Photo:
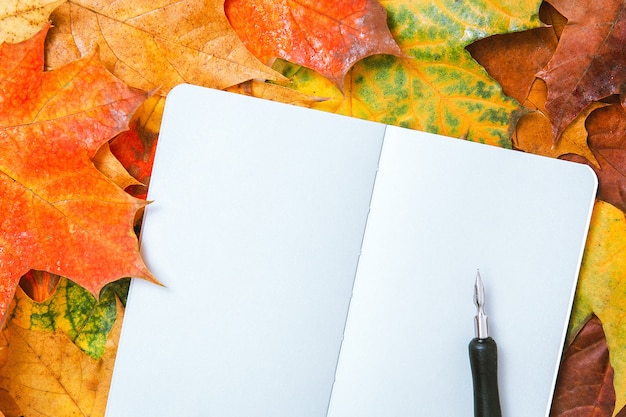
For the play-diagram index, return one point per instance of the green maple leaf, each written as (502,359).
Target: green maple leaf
(439,87)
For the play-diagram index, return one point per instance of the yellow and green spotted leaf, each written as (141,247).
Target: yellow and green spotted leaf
(74,311)
(437,87)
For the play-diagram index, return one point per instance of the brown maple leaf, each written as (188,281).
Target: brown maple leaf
(514,58)
(589,63)
(607,141)
(59,213)
(328,36)
(585,381)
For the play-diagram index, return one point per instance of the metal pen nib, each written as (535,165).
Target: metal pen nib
(481,324)
(483,353)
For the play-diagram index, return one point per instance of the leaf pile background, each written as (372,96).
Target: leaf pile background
(542,77)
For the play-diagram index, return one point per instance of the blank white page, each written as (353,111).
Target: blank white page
(441,209)
(255,231)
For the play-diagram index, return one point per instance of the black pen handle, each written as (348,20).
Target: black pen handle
(483,355)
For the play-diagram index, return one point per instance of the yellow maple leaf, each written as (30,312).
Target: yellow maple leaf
(47,375)
(155,44)
(22,19)
(602,285)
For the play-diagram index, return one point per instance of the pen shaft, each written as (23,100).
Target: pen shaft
(484,363)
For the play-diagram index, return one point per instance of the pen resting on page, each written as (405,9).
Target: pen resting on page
(483,354)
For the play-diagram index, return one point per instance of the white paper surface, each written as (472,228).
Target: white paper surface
(441,209)
(256,231)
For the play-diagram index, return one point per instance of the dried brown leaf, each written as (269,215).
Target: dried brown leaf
(589,63)
(585,381)
(533,132)
(607,141)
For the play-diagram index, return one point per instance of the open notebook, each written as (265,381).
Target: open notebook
(323,266)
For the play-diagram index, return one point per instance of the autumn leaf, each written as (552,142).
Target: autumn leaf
(513,59)
(533,134)
(328,36)
(439,87)
(589,63)
(155,45)
(585,380)
(47,375)
(607,140)
(74,311)
(39,285)
(135,150)
(22,19)
(602,285)
(106,162)
(147,118)
(60,214)
(8,405)
(274,92)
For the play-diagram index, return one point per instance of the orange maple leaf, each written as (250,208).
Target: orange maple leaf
(59,213)
(328,36)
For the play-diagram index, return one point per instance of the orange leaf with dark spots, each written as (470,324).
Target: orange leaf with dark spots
(59,213)
(328,36)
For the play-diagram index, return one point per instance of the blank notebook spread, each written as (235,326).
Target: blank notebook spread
(317,265)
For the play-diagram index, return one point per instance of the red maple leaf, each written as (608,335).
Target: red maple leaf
(135,149)
(328,36)
(59,213)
